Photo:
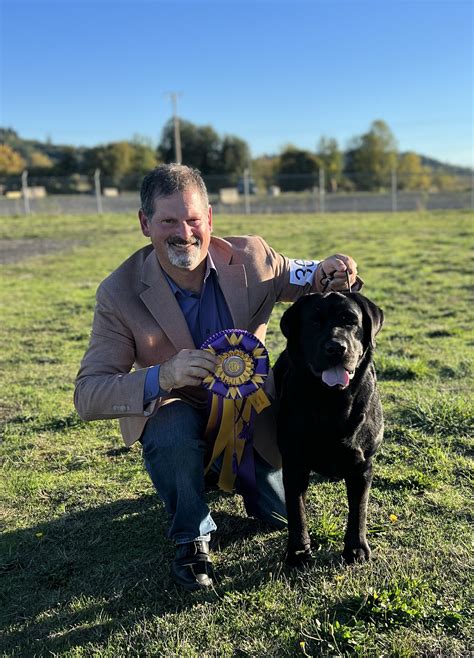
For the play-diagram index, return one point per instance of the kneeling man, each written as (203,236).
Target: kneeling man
(143,364)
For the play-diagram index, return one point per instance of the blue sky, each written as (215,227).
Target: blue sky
(272,72)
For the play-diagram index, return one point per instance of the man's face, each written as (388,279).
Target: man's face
(180,229)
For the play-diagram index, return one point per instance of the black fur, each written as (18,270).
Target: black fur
(333,430)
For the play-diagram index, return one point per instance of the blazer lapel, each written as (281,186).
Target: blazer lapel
(232,281)
(162,304)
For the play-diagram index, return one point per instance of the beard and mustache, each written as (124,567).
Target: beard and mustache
(188,259)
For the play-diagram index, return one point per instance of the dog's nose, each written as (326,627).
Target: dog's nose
(334,348)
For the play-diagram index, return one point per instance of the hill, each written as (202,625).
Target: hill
(437,167)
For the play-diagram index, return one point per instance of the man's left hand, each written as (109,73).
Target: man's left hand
(334,273)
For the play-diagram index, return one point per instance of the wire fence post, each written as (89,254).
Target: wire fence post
(394,190)
(247,191)
(472,190)
(322,185)
(98,195)
(24,189)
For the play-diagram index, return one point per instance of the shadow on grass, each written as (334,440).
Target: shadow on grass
(411,481)
(90,573)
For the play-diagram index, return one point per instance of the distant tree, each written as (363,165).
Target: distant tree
(298,170)
(39,162)
(209,146)
(411,175)
(11,162)
(8,136)
(200,146)
(114,161)
(235,155)
(265,170)
(332,160)
(143,159)
(444,182)
(68,162)
(372,157)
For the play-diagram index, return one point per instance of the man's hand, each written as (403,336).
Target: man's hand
(187,368)
(332,273)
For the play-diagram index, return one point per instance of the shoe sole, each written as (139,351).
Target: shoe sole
(192,587)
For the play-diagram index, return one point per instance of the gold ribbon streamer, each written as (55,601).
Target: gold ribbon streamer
(225,438)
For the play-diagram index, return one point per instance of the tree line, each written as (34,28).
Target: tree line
(369,162)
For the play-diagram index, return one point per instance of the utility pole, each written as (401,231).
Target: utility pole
(173,95)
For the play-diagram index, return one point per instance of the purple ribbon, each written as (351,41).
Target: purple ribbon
(246,483)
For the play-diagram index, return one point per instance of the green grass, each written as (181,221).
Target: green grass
(84,564)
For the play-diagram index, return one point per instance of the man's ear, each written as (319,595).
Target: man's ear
(144,223)
(372,316)
(209,217)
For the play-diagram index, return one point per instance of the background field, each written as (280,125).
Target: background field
(84,562)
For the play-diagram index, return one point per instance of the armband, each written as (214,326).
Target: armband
(302,271)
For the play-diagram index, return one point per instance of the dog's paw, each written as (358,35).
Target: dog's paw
(352,554)
(299,559)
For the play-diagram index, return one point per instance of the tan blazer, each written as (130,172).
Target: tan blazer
(138,323)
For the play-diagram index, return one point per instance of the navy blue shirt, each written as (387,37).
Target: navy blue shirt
(205,313)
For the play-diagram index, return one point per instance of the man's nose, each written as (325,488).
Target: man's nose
(184,231)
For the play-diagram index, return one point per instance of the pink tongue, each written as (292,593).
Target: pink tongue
(335,376)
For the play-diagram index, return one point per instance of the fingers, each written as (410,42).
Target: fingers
(341,263)
(187,368)
(338,272)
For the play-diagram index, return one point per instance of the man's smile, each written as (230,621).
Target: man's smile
(179,244)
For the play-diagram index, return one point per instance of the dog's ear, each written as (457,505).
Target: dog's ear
(372,316)
(290,318)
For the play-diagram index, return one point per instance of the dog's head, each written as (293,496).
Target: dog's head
(329,334)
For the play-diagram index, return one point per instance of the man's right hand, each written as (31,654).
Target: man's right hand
(187,368)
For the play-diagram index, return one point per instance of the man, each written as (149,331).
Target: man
(143,366)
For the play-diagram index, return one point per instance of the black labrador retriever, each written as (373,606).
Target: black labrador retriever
(329,412)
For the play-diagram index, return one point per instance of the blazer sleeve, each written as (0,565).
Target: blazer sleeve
(106,385)
(284,290)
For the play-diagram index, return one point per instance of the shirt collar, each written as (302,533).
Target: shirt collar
(210,267)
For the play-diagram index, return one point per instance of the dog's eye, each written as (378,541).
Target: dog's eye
(348,319)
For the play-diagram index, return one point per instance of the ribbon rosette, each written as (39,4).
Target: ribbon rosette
(243,363)
(237,395)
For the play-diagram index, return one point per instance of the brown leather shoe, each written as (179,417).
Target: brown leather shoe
(192,566)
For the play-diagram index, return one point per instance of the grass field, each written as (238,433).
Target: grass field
(84,563)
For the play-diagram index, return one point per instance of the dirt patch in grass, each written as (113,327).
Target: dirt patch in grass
(15,251)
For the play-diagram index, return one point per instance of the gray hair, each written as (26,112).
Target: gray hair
(167,179)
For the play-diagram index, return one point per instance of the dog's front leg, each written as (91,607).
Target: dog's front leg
(358,484)
(296,482)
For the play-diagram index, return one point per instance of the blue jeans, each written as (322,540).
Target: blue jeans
(173,452)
